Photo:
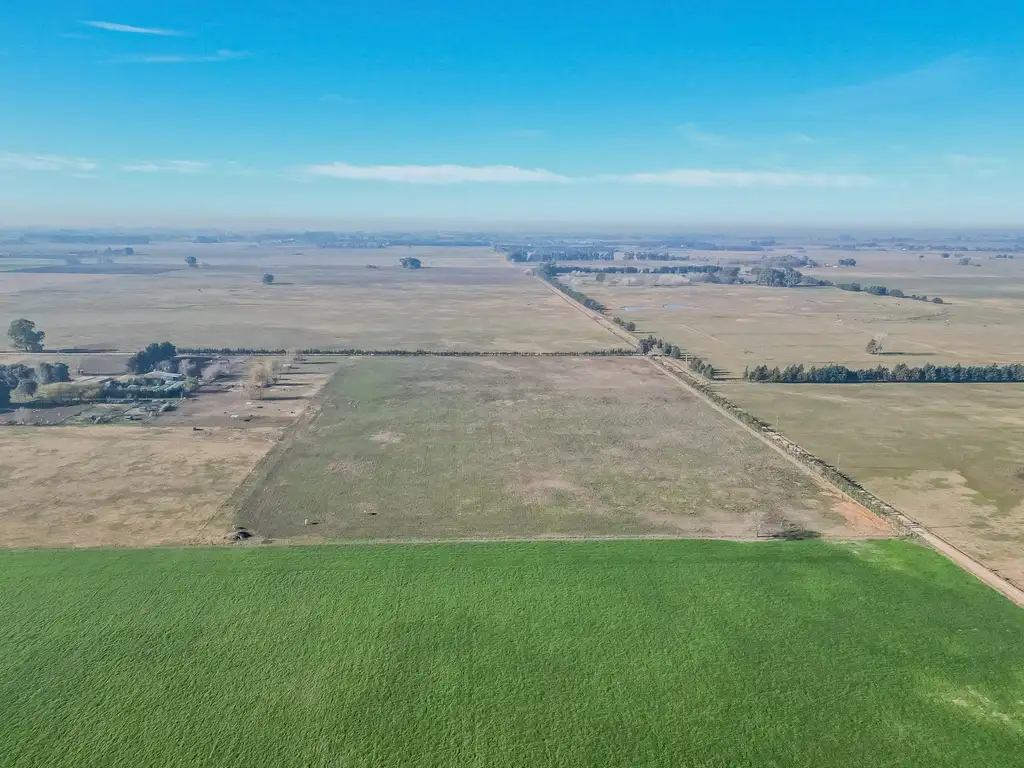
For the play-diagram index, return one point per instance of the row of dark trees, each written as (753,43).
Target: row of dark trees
(653,256)
(547,272)
(627,325)
(665,269)
(705,369)
(519,255)
(881,290)
(841,374)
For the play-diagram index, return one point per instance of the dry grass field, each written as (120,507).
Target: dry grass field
(468,448)
(950,455)
(121,485)
(461,299)
(746,325)
(164,481)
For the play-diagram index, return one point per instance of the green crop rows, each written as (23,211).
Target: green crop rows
(528,654)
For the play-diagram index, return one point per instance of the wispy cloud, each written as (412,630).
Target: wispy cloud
(801,138)
(110,26)
(933,80)
(184,58)
(693,133)
(682,177)
(13,161)
(166,166)
(435,174)
(693,177)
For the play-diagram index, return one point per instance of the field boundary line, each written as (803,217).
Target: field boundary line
(247,484)
(821,470)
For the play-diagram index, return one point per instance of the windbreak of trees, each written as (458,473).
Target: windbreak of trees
(881,290)
(665,269)
(629,326)
(519,254)
(847,262)
(653,256)
(928,373)
(705,369)
(548,271)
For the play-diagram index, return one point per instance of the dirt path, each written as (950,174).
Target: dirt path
(962,559)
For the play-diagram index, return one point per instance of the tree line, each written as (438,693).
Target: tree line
(665,269)
(881,290)
(928,373)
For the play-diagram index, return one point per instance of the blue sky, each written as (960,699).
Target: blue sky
(743,113)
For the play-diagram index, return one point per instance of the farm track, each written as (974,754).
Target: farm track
(899,519)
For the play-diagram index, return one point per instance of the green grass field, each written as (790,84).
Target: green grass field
(435,448)
(532,654)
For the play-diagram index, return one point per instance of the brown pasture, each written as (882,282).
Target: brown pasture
(949,455)
(461,299)
(746,325)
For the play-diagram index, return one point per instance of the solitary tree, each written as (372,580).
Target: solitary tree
(192,261)
(875,346)
(267,278)
(24,336)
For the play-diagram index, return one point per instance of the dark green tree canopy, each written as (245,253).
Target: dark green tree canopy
(24,336)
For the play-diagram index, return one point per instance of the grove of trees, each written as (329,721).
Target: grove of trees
(410,262)
(267,278)
(146,360)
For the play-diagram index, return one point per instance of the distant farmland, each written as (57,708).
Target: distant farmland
(514,654)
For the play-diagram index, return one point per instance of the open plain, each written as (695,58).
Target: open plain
(950,456)
(433,448)
(461,299)
(424,628)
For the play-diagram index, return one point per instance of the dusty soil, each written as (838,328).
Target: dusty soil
(121,485)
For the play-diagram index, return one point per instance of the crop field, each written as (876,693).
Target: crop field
(434,448)
(461,299)
(745,325)
(647,653)
(948,455)
(121,485)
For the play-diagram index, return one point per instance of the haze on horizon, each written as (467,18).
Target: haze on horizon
(580,117)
